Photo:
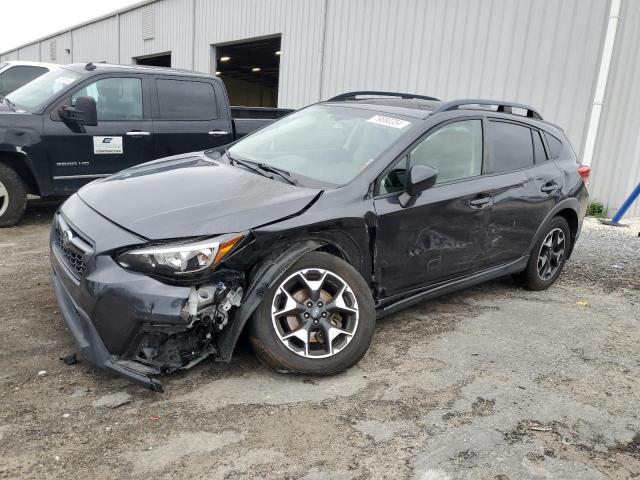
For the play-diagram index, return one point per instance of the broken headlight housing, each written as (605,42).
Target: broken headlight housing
(180,258)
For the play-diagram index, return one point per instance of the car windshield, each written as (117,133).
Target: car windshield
(327,143)
(37,92)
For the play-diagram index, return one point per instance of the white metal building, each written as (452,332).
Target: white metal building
(576,61)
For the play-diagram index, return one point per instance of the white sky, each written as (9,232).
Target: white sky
(25,20)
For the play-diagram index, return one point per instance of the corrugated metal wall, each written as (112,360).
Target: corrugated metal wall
(171,30)
(616,159)
(96,42)
(61,43)
(299,22)
(544,52)
(29,52)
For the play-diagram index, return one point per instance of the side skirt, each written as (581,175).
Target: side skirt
(389,305)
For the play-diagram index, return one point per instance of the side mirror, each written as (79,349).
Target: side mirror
(419,179)
(83,114)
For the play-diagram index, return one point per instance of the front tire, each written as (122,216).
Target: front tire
(13,197)
(547,257)
(317,318)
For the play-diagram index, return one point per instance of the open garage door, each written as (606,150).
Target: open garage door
(250,71)
(160,60)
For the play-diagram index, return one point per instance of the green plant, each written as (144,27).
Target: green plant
(596,209)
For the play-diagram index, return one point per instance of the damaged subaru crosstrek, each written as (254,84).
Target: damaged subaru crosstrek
(306,231)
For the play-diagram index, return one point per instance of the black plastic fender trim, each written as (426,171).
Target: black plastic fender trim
(269,270)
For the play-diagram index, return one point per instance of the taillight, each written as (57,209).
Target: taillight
(584,172)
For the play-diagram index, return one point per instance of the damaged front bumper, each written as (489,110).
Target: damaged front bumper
(128,322)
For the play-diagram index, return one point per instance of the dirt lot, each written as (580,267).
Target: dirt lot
(492,382)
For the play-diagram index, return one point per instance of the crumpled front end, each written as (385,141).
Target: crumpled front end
(129,322)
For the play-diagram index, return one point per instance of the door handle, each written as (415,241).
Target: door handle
(480,202)
(137,133)
(218,132)
(549,187)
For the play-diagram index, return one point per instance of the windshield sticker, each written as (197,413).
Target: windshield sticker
(107,145)
(388,121)
(65,80)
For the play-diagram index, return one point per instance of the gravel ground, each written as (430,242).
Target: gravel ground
(492,382)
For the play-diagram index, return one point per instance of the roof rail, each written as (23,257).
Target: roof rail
(504,107)
(353,95)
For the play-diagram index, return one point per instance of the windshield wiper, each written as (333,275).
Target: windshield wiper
(249,165)
(281,173)
(9,103)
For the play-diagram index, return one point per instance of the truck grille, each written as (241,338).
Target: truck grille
(73,247)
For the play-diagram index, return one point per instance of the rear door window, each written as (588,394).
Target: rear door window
(15,77)
(186,100)
(511,146)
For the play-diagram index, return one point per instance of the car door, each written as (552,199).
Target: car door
(525,188)
(188,116)
(122,138)
(443,234)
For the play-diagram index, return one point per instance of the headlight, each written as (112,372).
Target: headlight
(184,258)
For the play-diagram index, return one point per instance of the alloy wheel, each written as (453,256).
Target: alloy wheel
(315,313)
(551,254)
(4,199)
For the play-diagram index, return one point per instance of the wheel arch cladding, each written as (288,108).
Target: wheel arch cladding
(567,209)
(19,163)
(262,277)
(572,219)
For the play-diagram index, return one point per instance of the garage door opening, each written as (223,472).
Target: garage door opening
(161,60)
(250,71)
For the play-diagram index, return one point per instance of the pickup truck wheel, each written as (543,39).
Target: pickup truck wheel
(317,318)
(13,197)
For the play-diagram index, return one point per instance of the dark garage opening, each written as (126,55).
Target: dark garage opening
(250,71)
(162,60)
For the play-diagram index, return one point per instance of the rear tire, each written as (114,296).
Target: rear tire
(547,257)
(324,298)
(13,197)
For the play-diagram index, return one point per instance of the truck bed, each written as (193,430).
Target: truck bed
(249,119)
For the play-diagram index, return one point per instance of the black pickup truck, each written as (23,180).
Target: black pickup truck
(87,121)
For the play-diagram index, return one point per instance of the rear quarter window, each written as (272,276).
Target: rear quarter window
(555,145)
(186,100)
(511,146)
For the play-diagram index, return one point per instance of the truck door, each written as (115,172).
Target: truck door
(189,114)
(122,138)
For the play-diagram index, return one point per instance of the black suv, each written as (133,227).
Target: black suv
(309,229)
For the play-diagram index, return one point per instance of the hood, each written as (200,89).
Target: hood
(192,195)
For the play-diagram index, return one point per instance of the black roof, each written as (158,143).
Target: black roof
(110,68)
(407,107)
(419,107)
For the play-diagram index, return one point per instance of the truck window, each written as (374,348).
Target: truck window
(116,98)
(15,77)
(186,100)
(511,146)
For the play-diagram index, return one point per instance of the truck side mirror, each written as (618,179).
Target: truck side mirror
(419,179)
(83,114)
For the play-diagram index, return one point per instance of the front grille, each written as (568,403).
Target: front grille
(73,247)
(74,261)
